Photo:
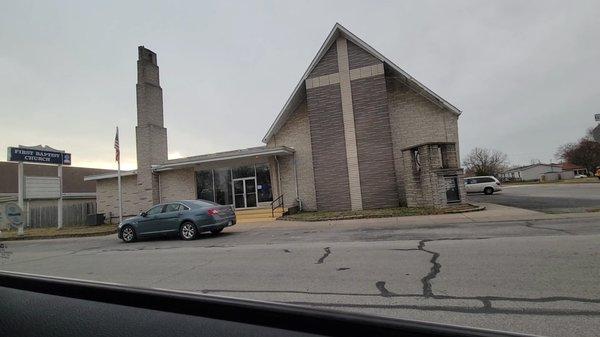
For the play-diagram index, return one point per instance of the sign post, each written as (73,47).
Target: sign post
(60,198)
(20,182)
(42,155)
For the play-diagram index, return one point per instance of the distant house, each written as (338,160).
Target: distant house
(544,172)
(571,170)
(531,172)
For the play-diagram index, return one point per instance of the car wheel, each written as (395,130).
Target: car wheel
(128,234)
(187,231)
(216,231)
(488,190)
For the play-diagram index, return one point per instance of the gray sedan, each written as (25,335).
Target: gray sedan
(184,217)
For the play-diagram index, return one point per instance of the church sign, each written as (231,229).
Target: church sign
(23,154)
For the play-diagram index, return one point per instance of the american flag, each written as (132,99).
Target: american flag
(117,151)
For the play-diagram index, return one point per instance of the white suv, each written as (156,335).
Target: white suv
(485,184)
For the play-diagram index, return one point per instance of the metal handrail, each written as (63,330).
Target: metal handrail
(274,206)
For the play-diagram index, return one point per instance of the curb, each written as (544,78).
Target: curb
(359,217)
(59,236)
(476,209)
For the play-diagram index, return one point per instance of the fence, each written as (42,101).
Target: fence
(73,215)
(44,213)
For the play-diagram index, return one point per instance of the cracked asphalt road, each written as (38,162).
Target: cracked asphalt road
(537,277)
(548,198)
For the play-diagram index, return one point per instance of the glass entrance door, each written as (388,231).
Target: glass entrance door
(244,192)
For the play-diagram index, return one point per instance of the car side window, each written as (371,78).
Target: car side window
(155,210)
(474,181)
(487,180)
(171,208)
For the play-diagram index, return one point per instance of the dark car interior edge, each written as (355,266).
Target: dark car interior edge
(46,306)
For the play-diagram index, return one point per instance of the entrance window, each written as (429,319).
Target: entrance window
(223,192)
(220,186)
(204,185)
(244,190)
(263,183)
(243,171)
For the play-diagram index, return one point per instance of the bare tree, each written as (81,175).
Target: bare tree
(585,153)
(486,162)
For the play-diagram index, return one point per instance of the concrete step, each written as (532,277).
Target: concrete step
(257,215)
(262,210)
(243,221)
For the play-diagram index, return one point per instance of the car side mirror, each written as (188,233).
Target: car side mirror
(143,214)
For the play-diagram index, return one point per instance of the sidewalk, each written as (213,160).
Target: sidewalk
(492,213)
(55,233)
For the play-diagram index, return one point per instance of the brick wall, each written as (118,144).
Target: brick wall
(324,107)
(427,186)
(177,185)
(359,57)
(151,149)
(415,120)
(107,192)
(374,143)
(151,136)
(328,64)
(295,134)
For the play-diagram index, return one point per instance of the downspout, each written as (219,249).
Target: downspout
(278,177)
(159,194)
(296,180)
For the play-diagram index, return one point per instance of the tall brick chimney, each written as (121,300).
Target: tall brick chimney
(150,134)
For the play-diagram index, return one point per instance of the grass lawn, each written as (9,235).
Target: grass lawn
(65,232)
(375,213)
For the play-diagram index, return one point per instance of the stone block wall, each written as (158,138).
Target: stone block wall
(107,196)
(328,64)
(328,147)
(425,184)
(151,136)
(295,134)
(177,185)
(374,143)
(360,118)
(151,149)
(415,120)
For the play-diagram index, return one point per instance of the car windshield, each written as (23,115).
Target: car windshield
(435,161)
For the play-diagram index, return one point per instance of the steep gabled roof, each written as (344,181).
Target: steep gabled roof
(299,92)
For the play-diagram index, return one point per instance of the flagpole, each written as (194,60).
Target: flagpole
(119,182)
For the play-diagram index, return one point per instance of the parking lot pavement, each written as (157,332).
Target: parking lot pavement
(548,198)
(534,276)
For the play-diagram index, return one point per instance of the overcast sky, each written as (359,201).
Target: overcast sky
(526,74)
